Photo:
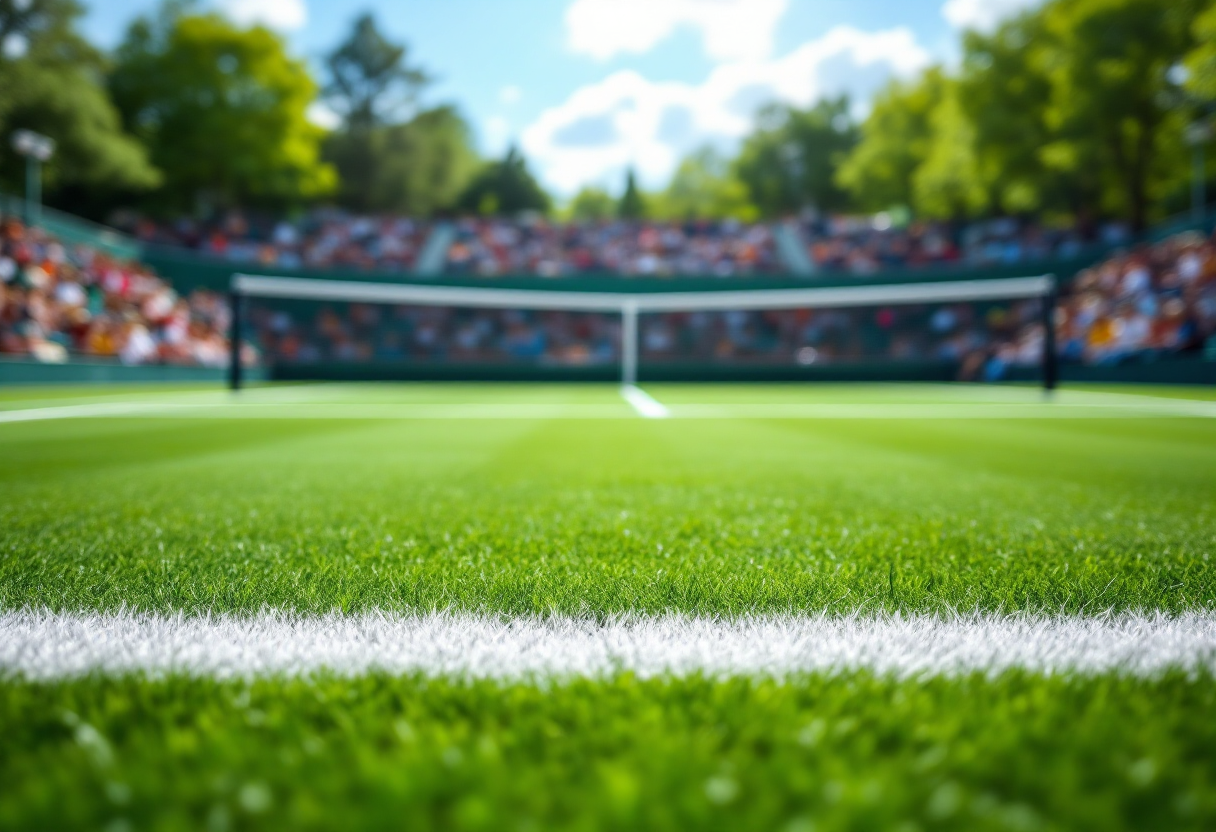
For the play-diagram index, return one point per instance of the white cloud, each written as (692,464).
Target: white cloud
(321,115)
(982,15)
(14,46)
(730,29)
(285,15)
(627,119)
(510,94)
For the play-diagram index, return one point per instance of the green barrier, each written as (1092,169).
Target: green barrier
(1168,369)
(20,371)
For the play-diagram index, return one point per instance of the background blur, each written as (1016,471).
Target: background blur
(762,142)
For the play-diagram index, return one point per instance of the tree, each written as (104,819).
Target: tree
(896,138)
(1200,62)
(631,205)
(790,161)
(222,109)
(49,83)
(370,80)
(704,187)
(1004,91)
(948,184)
(388,157)
(1110,63)
(504,188)
(420,167)
(592,204)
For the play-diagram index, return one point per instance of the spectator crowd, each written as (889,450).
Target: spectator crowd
(866,245)
(535,246)
(1153,301)
(58,301)
(323,240)
(720,248)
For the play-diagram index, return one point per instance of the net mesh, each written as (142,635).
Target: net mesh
(970,340)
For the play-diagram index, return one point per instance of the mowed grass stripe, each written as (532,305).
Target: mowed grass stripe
(599,518)
(42,645)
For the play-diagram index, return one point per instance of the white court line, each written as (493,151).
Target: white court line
(79,411)
(42,645)
(646,406)
(225,406)
(321,410)
(962,411)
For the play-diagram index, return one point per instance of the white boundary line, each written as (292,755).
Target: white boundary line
(646,406)
(43,645)
(642,404)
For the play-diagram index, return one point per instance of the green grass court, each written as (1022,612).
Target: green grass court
(543,501)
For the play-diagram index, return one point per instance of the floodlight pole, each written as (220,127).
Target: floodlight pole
(36,148)
(1051,359)
(33,191)
(1197,134)
(629,342)
(234,340)
(1198,186)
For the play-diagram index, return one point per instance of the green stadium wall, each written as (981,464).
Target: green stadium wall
(21,372)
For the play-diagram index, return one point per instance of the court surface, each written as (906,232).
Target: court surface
(667,607)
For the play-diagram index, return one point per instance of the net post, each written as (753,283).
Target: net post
(1051,359)
(234,337)
(629,343)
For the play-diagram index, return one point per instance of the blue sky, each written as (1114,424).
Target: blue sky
(590,87)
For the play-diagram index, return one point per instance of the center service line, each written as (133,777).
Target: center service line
(646,406)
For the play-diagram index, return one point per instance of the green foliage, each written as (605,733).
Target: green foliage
(1069,109)
(419,168)
(370,79)
(222,111)
(631,206)
(1109,66)
(790,161)
(504,188)
(591,204)
(1004,90)
(825,752)
(949,184)
(388,162)
(704,187)
(896,139)
(599,517)
(52,87)
(1200,62)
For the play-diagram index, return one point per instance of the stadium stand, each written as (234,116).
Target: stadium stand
(868,245)
(858,246)
(58,301)
(1153,301)
(723,249)
(323,240)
